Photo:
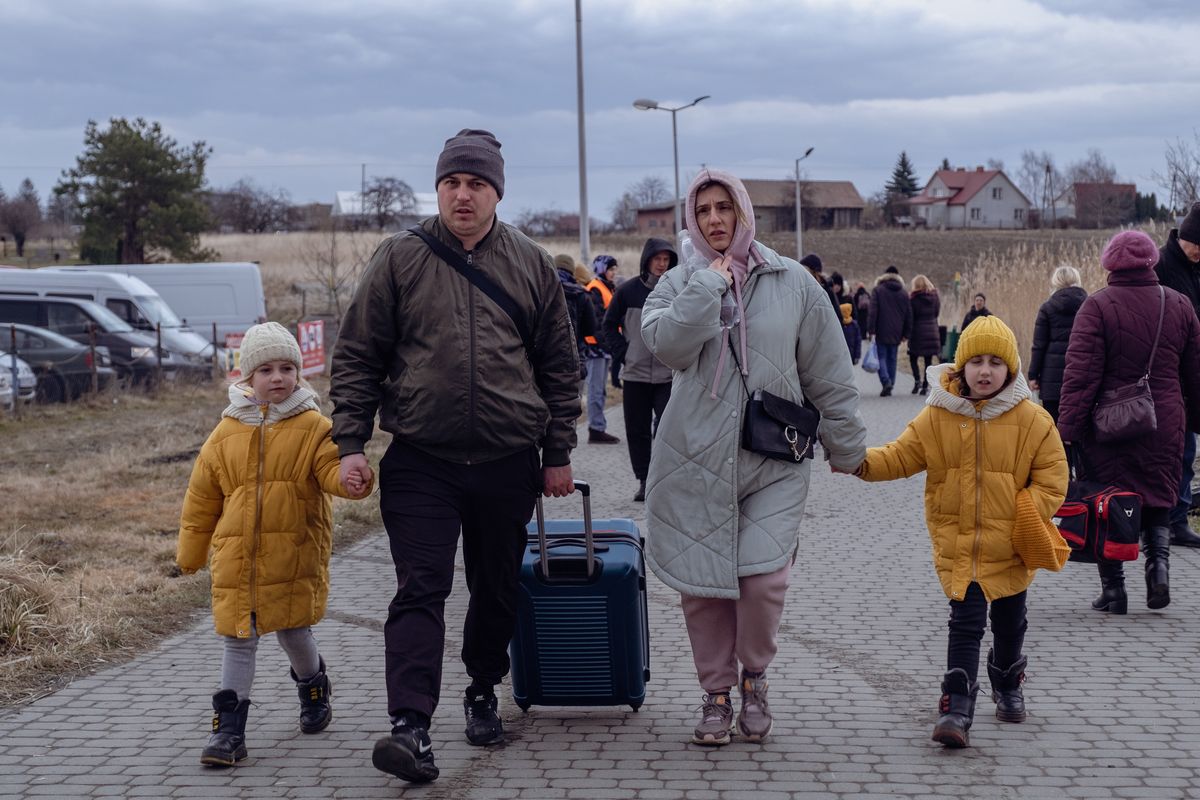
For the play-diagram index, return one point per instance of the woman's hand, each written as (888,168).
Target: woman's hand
(1035,385)
(724,267)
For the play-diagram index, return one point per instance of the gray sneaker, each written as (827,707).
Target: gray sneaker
(754,720)
(716,721)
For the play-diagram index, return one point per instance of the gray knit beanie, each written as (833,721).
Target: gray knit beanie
(269,341)
(476,152)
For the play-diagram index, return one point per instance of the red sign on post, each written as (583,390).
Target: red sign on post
(312,346)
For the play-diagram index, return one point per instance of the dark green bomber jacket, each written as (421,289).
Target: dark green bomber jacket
(444,365)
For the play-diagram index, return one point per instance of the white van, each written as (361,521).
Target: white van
(127,297)
(227,293)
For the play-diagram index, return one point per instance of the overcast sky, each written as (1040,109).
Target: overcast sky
(297,94)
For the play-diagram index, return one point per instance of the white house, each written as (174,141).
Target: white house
(961,198)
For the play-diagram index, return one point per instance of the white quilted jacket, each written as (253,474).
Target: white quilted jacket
(717,512)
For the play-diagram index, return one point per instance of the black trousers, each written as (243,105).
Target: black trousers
(919,377)
(1051,407)
(968,618)
(425,501)
(640,401)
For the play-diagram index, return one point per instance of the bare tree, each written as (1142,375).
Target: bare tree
(248,208)
(649,191)
(1182,176)
(21,215)
(1094,168)
(333,262)
(386,200)
(995,163)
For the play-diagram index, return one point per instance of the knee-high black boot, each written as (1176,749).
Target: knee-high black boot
(1156,546)
(956,708)
(1112,594)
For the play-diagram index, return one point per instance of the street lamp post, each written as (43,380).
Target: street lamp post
(650,105)
(799,216)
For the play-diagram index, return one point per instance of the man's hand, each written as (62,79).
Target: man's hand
(1035,385)
(557,481)
(354,473)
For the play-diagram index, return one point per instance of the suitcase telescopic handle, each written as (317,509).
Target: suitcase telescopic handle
(589,541)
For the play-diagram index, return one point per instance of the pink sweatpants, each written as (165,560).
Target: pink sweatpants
(724,632)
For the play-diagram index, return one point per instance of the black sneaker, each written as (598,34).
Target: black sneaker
(407,753)
(483,723)
(640,495)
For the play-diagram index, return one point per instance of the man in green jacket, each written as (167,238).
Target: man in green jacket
(481,403)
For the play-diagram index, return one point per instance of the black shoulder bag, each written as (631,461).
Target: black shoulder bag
(775,427)
(481,282)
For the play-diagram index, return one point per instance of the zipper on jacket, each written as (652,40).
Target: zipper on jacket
(471,362)
(258,493)
(978,496)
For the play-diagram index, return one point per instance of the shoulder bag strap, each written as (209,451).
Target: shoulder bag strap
(738,364)
(1162,310)
(481,282)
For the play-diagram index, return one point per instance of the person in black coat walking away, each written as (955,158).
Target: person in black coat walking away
(926,340)
(1179,268)
(852,332)
(862,306)
(579,306)
(890,322)
(646,380)
(979,309)
(1052,333)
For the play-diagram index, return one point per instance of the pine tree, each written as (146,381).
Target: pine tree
(904,179)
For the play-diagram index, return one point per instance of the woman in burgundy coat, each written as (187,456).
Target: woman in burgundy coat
(925,340)
(1110,347)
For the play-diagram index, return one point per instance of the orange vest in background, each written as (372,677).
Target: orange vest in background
(605,296)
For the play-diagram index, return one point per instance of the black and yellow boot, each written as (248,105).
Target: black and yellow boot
(227,743)
(315,708)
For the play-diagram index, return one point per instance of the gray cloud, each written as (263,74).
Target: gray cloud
(299,94)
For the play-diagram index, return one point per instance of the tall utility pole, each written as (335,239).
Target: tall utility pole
(362,197)
(584,226)
(800,216)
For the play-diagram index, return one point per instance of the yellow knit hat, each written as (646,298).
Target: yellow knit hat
(987,336)
(1037,541)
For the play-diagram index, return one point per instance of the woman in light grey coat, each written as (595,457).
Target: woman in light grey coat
(724,522)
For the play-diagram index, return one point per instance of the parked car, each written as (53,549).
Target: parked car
(133,353)
(227,294)
(63,366)
(26,380)
(124,295)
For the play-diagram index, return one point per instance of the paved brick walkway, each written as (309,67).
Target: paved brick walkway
(1113,708)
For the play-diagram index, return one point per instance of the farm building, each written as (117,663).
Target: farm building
(824,204)
(962,198)
(1096,205)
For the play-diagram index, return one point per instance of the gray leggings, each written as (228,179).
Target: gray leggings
(237,665)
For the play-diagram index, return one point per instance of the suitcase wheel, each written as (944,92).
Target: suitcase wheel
(524,706)
(635,706)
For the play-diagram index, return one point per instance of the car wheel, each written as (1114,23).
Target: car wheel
(51,388)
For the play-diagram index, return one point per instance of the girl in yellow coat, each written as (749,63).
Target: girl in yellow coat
(259,498)
(997,472)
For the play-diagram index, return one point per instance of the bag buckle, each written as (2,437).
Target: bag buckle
(792,436)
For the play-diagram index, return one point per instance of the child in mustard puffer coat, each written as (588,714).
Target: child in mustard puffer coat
(997,472)
(259,497)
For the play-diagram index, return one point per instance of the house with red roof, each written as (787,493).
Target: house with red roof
(962,198)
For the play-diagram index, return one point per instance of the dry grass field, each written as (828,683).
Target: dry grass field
(87,544)
(93,490)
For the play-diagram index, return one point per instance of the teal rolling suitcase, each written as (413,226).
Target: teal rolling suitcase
(582,635)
